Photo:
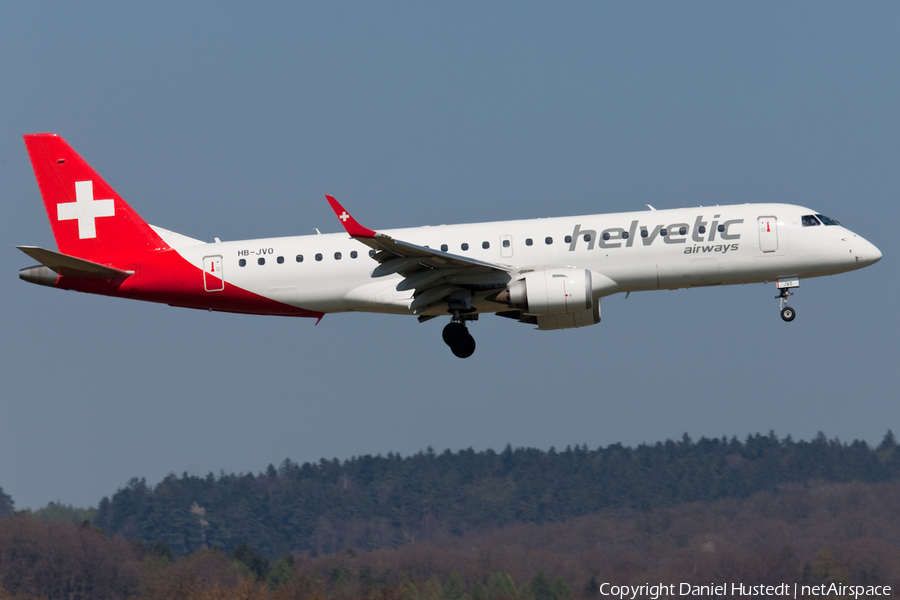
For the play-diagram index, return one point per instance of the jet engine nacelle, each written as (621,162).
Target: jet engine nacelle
(556,298)
(582,318)
(552,292)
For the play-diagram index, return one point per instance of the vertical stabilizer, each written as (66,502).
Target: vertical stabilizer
(89,219)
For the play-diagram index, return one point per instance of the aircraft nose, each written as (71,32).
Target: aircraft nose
(876,253)
(868,253)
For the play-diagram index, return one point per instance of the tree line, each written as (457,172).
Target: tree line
(372,502)
(7,507)
(812,533)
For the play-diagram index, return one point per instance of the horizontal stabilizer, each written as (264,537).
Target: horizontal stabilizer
(69,266)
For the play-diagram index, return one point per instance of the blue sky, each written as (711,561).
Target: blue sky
(234,120)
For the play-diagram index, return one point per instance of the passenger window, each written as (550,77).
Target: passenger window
(506,243)
(721,228)
(261,261)
(605,236)
(702,229)
(353,254)
(827,220)
(318,257)
(299,258)
(444,247)
(485,245)
(644,233)
(280,260)
(548,240)
(624,235)
(683,231)
(587,237)
(371,254)
(568,239)
(464,246)
(528,241)
(242,263)
(664,232)
(337,256)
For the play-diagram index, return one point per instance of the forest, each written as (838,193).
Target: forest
(373,502)
(521,523)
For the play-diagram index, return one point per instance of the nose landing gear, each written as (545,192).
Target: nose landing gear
(784,286)
(787,313)
(457,336)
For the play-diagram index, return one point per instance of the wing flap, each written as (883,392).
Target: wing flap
(396,265)
(424,279)
(432,295)
(421,267)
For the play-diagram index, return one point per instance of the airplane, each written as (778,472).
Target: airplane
(550,272)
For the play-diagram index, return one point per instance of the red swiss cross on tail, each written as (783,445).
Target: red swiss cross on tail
(350,224)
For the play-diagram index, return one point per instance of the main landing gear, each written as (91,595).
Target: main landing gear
(457,336)
(787,313)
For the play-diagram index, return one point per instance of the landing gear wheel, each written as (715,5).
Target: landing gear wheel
(787,313)
(461,342)
(454,332)
(465,347)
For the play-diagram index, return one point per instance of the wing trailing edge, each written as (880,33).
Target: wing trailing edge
(433,275)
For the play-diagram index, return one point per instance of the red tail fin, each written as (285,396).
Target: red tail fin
(89,219)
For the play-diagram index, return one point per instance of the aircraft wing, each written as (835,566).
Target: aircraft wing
(434,275)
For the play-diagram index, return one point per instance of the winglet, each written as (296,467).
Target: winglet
(349,223)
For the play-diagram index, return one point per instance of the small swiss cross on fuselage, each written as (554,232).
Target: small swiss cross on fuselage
(344,216)
(85,209)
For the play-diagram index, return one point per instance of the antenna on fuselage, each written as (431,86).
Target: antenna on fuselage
(316,229)
(649,206)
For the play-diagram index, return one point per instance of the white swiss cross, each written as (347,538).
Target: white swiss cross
(85,209)
(344,216)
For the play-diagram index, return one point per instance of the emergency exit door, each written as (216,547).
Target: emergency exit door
(768,234)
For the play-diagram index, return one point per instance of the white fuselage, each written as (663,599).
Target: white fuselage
(679,248)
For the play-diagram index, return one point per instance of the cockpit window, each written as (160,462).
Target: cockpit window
(809,220)
(827,220)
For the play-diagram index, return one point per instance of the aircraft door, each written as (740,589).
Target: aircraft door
(506,249)
(768,234)
(213,281)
